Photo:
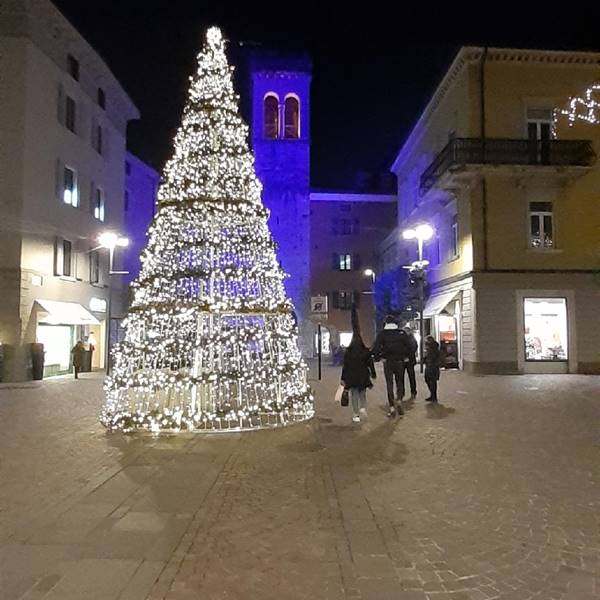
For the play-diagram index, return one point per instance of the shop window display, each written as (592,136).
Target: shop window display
(546,337)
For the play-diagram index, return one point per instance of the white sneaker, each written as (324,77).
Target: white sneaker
(363,413)
(356,419)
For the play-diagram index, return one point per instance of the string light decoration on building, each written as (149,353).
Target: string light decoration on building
(211,339)
(580,108)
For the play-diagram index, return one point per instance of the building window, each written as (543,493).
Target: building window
(539,133)
(70,194)
(291,118)
(70,114)
(546,331)
(344,262)
(73,67)
(344,226)
(342,299)
(271,117)
(541,230)
(99,205)
(101,99)
(97,138)
(454,237)
(94,266)
(67,257)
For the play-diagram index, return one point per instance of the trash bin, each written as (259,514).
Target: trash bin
(37,361)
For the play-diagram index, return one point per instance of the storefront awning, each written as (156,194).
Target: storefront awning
(65,313)
(436,304)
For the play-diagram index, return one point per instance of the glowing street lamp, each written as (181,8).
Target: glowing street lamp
(421,233)
(369,273)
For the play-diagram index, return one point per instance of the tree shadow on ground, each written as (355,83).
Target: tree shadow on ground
(363,446)
(435,410)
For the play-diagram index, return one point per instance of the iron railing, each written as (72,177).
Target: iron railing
(502,151)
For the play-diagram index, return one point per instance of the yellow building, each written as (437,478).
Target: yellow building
(512,188)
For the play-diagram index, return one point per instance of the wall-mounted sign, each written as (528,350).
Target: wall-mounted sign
(98,305)
(318,305)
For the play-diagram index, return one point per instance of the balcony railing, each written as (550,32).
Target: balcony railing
(501,151)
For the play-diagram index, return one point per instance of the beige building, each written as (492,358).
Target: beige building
(63,119)
(513,192)
(344,227)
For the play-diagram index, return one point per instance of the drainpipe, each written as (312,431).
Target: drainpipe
(483,138)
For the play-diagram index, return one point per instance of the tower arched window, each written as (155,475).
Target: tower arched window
(291,118)
(271,117)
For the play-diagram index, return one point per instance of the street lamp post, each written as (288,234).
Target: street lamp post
(370,273)
(421,233)
(110,240)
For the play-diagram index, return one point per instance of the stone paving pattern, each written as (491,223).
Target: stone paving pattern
(494,493)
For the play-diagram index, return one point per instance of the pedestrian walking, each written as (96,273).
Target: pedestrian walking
(392,345)
(413,346)
(78,352)
(433,359)
(357,372)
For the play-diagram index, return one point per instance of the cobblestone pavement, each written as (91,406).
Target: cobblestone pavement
(494,493)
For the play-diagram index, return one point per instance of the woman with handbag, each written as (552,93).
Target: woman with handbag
(357,372)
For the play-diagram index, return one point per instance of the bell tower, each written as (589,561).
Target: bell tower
(281,143)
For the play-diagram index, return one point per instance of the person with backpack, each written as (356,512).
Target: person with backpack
(357,372)
(392,344)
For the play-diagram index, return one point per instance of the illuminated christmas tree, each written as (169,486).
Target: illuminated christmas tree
(211,341)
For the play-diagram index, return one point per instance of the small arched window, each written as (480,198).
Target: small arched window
(271,117)
(291,116)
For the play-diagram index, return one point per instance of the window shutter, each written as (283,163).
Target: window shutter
(60,180)
(93,134)
(335,261)
(357,263)
(58,256)
(335,299)
(92,196)
(60,108)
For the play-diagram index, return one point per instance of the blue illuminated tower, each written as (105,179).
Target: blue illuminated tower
(281,143)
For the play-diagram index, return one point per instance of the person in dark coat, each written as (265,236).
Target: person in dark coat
(433,360)
(413,346)
(78,353)
(392,344)
(357,372)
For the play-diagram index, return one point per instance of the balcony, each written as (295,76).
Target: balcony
(461,152)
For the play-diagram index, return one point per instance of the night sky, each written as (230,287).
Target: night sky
(373,71)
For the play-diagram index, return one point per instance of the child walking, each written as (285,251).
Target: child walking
(357,372)
(432,367)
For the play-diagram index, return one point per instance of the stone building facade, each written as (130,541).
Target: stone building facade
(63,119)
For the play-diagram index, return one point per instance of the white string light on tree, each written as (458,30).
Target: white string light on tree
(211,342)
